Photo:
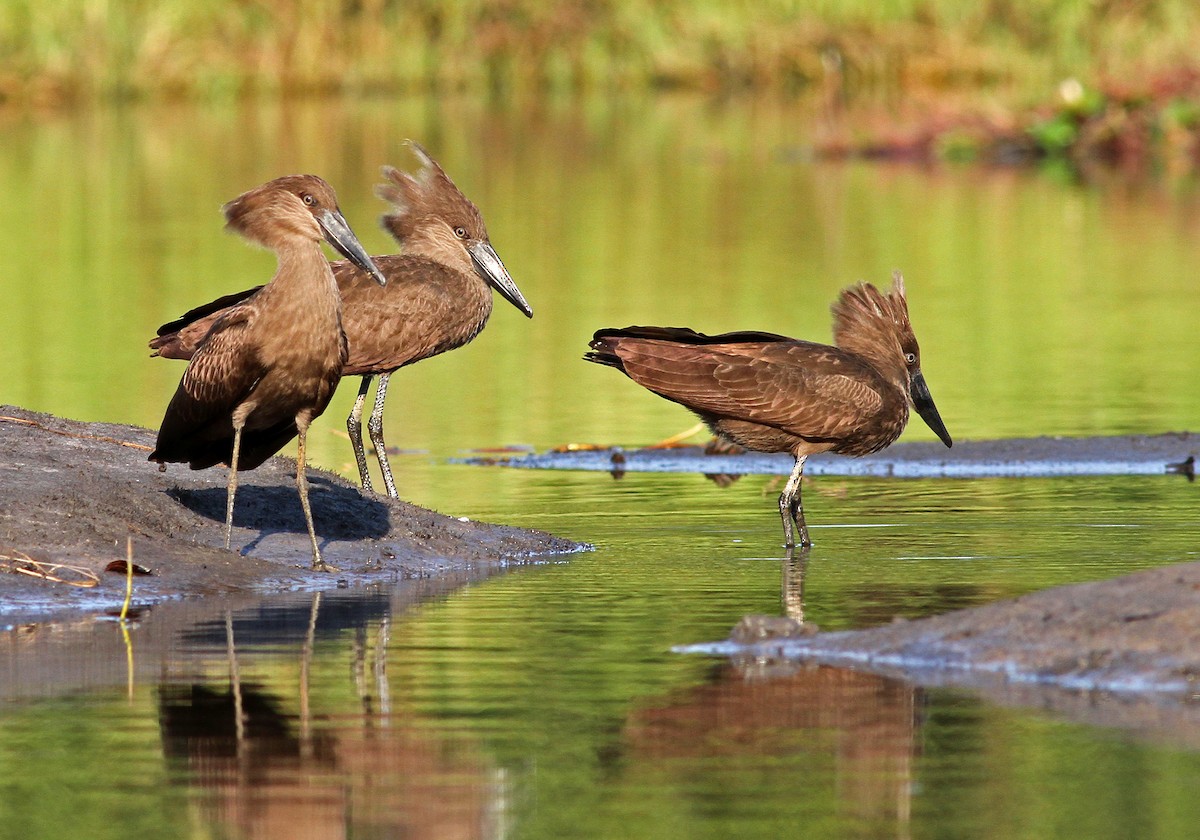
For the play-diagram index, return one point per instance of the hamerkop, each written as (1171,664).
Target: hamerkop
(269,365)
(771,393)
(438,295)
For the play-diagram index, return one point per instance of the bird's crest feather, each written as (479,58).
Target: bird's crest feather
(871,323)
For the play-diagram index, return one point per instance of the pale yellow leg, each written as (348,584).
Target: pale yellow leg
(231,490)
(302,486)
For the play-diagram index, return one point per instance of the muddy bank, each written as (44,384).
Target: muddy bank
(1015,457)
(73,492)
(1135,634)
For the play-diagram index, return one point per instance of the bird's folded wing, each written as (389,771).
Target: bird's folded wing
(219,377)
(809,390)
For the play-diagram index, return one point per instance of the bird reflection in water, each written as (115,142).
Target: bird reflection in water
(269,762)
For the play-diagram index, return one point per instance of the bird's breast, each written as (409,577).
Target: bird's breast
(383,338)
(877,434)
(303,361)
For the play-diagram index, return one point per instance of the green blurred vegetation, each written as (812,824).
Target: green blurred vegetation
(62,50)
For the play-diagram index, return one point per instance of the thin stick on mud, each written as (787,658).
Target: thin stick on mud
(22,421)
(19,563)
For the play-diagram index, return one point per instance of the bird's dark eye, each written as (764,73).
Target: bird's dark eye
(910,357)
(308,199)
(460,232)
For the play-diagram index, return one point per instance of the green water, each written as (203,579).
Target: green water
(546,703)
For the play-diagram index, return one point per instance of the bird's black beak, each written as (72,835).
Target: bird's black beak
(923,403)
(338,234)
(487,263)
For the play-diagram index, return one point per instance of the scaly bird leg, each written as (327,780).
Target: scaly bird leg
(354,427)
(231,488)
(302,486)
(375,428)
(790,509)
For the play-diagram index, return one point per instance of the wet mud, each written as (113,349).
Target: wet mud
(1136,636)
(73,493)
(1017,457)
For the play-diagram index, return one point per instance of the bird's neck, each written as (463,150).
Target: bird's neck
(303,273)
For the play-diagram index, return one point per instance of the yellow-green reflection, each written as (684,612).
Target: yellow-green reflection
(546,702)
(549,697)
(1042,307)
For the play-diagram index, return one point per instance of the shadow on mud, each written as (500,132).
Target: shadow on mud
(340,512)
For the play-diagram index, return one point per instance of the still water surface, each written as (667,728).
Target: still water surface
(545,702)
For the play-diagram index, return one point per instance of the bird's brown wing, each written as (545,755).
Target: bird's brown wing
(221,374)
(179,339)
(810,390)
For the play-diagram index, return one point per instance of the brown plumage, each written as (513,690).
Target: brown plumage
(269,365)
(771,393)
(438,296)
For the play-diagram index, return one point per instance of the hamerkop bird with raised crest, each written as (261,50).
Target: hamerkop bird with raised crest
(438,295)
(269,365)
(770,393)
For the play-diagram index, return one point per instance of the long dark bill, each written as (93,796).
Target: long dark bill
(923,403)
(338,234)
(487,263)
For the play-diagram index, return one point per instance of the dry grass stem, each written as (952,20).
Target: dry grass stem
(19,563)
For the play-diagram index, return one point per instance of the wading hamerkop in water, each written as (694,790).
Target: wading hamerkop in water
(269,365)
(438,296)
(771,393)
